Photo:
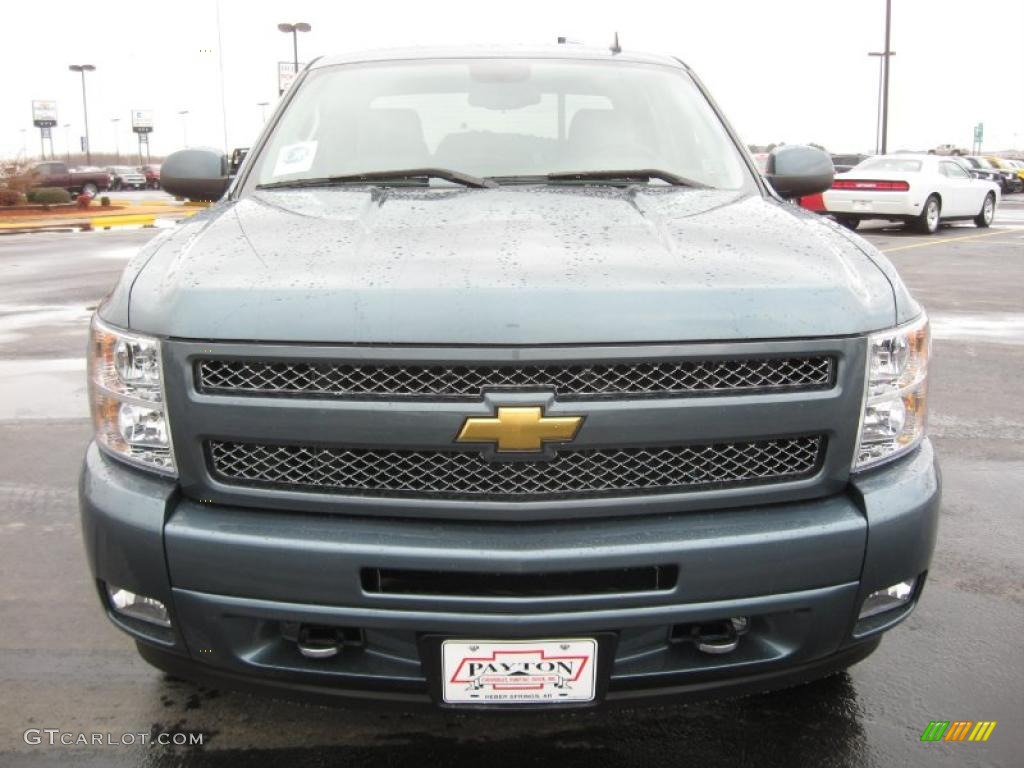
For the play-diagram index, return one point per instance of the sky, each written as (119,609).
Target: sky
(791,71)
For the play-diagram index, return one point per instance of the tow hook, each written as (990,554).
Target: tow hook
(716,637)
(318,641)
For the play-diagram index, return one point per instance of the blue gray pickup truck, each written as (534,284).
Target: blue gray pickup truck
(501,378)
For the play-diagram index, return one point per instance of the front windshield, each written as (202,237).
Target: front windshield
(500,118)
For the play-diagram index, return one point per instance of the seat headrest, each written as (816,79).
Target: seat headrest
(391,139)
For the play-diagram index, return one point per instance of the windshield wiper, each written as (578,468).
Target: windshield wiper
(380,177)
(640,175)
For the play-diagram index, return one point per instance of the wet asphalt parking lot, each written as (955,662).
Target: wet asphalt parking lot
(959,657)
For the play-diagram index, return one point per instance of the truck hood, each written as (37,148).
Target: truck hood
(517,265)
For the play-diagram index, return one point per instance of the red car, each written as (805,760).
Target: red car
(152,174)
(814,203)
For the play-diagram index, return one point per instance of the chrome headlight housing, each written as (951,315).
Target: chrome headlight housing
(895,400)
(126,396)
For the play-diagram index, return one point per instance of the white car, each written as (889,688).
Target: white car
(125,177)
(921,190)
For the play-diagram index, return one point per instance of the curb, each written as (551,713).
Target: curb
(100,222)
(105,222)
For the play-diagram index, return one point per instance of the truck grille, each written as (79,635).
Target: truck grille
(469,475)
(666,377)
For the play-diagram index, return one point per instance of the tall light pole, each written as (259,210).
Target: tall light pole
(294,30)
(882,58)
(117,143)
(83,68)
(67,144)
(263,105)
(24,141)
(184,127)
(887,58)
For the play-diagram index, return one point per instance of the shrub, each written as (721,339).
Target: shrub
(11,197)
(84,200)
(105,201)
(49,195)
(17,174)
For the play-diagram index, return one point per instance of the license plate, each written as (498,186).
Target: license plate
(518,671)
(862,205)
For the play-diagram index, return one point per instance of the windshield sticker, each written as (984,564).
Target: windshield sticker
(295,158)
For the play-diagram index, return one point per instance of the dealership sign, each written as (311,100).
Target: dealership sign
(142,120)
(286,75)
(44,113)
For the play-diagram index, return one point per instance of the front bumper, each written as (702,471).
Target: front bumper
(232,578)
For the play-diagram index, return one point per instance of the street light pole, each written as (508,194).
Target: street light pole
(294,30)
(887,58)
(263,106)
(117,143)
(878,114)
(83,68)
(184,127)
(67,144)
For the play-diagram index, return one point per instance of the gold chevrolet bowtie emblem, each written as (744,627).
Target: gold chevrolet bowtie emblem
(519,429)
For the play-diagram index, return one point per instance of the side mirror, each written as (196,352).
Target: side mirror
(795,170)
(198,174)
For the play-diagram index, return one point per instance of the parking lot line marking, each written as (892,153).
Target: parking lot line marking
(941,241)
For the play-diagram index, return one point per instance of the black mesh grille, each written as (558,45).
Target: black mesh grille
(468,474)
(338,379)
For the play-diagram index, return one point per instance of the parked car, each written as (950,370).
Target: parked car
(840,164)
(921,190)
(947,149)
(152,174)
(125,177)
(981,168)
(1012,182)
(1019,165)
(75,180)
(844,163)
(237,158)
(424,411)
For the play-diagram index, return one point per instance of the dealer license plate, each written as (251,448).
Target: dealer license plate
(863,205)
(518,671)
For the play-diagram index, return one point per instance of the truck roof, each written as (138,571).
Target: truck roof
(563,51)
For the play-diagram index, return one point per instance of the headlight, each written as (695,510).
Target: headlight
(895,407)
(127,398)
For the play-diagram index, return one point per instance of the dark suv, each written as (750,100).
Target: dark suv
(504,379)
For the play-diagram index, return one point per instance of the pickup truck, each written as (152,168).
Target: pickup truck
(57,174)
(947,149)
(504,379)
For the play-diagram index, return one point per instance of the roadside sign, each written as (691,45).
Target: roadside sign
(286,75)
(979,133)
(85,144)
(44,114)
(142,120)
(45,131)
